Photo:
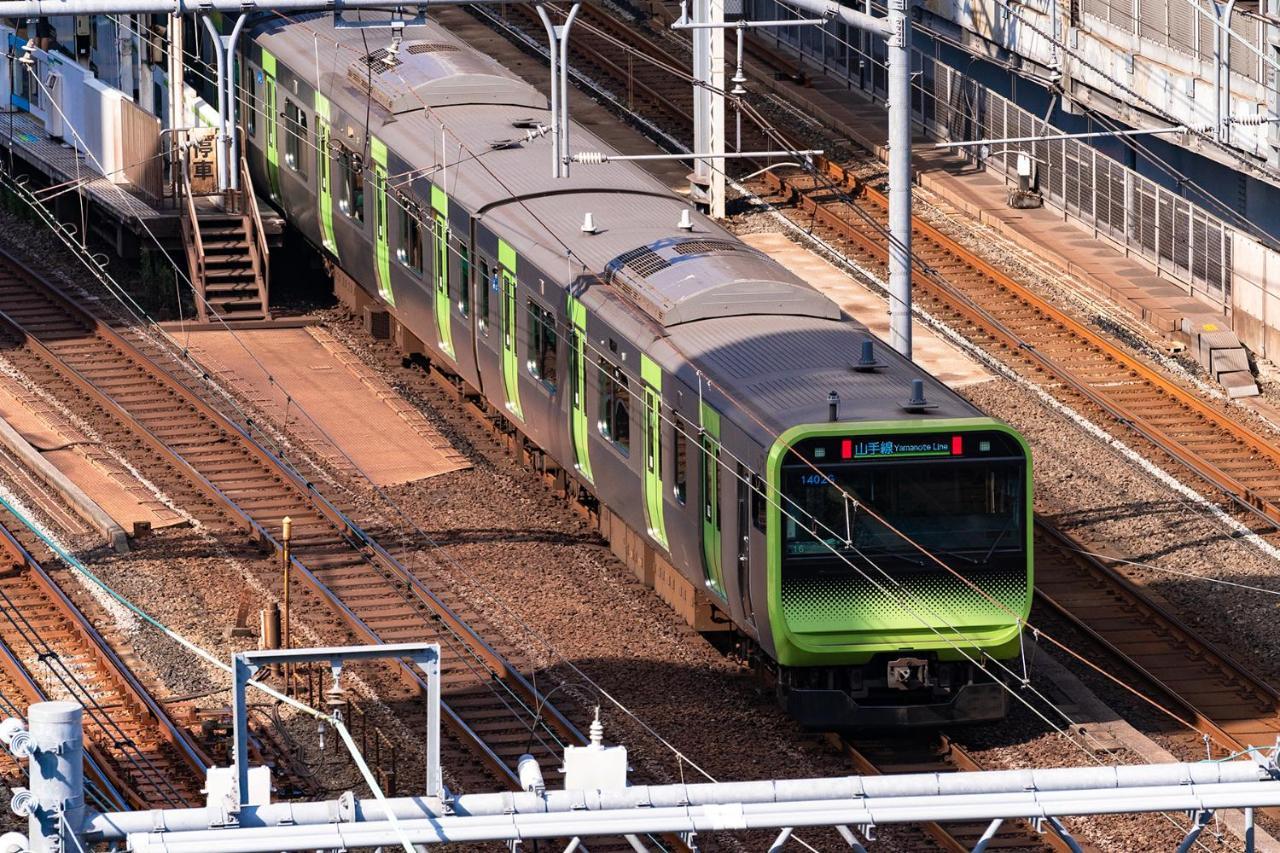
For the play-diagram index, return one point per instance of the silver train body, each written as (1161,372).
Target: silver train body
(679,376)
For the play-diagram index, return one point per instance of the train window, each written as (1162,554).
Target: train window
(680,442)
(295,132)
(251,102)
(482,290)
(352,185)
(542,344)
(759,504)
(464,289)
(615,407)
(410,249)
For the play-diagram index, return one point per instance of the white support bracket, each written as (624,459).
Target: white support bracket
(425,655)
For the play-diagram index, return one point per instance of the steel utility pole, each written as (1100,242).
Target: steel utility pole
(707,184)
(895,29)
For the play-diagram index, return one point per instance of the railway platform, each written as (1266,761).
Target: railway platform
(129,208)
(1166,306)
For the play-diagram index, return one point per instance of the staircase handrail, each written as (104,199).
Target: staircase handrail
(195,222)
(249,200)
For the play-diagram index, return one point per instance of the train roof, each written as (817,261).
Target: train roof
(505,178)
(786,367)
(715,304)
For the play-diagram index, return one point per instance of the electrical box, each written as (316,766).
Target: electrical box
(220,786)
(595,767)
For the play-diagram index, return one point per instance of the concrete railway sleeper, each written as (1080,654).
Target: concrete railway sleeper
(332,554)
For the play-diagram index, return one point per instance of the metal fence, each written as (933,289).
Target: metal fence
(1183,241)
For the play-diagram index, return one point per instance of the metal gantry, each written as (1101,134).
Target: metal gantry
(597,800)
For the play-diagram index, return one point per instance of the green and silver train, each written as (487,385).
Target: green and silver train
(874,553)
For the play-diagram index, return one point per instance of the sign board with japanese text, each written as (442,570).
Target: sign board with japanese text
(201,160)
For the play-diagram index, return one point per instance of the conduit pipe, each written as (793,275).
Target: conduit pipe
(711,818)
(879,793)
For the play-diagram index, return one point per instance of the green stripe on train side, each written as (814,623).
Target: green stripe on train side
(651,374)
(510,362)
(710,469)
(382,248)
(579,425)
(326,175)
(444,327)
(272,119)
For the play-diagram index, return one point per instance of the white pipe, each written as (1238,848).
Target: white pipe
(726,817)
(41,8)
(829,9)
(899,103)
(747,25)
(906,790)
(554,56)
(970,143)
(563,154)
(232,100)
(1222,67)
(220,53)
(598,157)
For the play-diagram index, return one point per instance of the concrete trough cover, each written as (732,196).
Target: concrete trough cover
(357,414)
(951,366)
(107,482)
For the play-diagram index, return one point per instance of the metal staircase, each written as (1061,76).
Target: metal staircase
(227,252)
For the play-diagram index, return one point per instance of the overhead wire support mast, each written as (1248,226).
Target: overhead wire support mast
(895,29)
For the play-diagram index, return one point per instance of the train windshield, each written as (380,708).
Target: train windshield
(960,497)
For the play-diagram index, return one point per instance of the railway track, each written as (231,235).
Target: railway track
(1168,660)
(489,706)
(1235,708)
(1043,343)
(140,757)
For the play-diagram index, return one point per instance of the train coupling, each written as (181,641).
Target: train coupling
(907,674)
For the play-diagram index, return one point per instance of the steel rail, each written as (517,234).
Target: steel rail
(946,756)
(108,784)
(109,665)
(1227,702)
(196,759)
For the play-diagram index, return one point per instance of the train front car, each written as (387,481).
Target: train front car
(900,564)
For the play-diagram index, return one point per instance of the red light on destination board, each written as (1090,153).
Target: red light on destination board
(846,448)
(957,445)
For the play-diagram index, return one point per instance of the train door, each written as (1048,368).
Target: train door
(272,120)
(440,208)
(381,241)
(579,423)
(651,376)
(711,544)
(745,492)
(324,172)
(509,313)
(477,284)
